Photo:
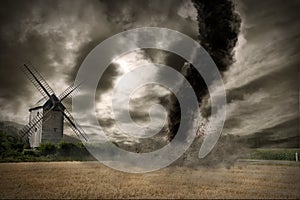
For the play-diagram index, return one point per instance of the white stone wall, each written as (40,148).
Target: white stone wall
(36,137)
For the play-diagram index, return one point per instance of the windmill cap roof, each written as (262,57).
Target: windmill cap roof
(44,102)
(39,104)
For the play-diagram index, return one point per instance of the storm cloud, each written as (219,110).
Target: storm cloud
(263,85)
(55,36)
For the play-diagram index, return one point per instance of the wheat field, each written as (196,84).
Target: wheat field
(93,180)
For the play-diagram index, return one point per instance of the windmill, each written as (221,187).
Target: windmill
(46,121)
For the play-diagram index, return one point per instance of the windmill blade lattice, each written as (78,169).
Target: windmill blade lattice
(69,92)
(66,96)
(74,126)
(67,102)
(38,81)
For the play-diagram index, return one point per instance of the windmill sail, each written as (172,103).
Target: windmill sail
(74,126)
(69,92)
(66,96)
(38,81)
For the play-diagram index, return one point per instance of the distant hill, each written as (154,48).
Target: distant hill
(10,128)
(284,135)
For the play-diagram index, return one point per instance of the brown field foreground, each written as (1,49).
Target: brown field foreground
(93,180)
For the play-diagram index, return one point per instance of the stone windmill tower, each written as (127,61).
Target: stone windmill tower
(46,120)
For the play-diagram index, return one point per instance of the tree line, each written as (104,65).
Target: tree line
(13,149)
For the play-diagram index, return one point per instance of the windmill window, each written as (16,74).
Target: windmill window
(35,129)
(55,129)
(38,113)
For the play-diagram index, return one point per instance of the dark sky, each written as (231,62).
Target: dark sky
(262,85)
(57,35)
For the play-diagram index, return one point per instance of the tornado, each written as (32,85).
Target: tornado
(219,26)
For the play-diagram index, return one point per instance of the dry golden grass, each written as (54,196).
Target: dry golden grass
(93,180)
